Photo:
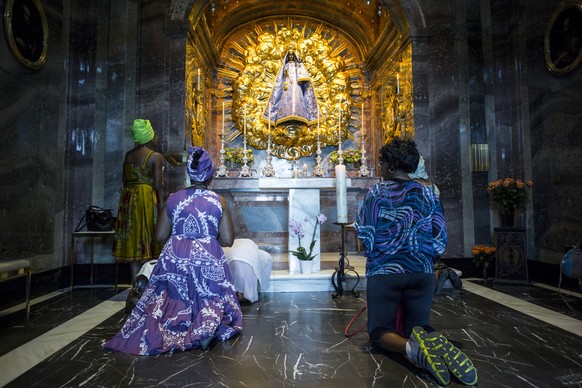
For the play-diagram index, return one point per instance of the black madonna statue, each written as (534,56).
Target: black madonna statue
(292,98)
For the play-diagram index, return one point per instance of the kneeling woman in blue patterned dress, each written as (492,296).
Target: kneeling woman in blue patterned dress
(190,298)
(402,225)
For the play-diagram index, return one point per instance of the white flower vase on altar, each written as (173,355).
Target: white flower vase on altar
(309,253)
(306,266)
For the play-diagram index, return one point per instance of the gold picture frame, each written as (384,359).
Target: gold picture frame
(563,40)
(27,32)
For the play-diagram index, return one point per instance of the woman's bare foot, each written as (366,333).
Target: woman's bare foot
(241,298)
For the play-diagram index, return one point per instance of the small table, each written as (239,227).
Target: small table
(87,234)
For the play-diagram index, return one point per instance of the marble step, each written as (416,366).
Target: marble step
(283,281)
(355,279)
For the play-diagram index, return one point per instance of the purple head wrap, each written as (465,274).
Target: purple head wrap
(205,168)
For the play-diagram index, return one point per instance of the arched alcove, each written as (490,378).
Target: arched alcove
(368,37)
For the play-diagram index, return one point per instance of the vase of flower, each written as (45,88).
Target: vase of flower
(483,257)
(306,266)
(509,194)
(508,217)
(296,229)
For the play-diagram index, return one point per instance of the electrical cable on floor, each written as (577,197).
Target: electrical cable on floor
(347,332)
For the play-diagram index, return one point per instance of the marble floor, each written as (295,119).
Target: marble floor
(517,335)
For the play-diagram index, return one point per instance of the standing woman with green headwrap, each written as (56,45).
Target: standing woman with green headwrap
(139,202)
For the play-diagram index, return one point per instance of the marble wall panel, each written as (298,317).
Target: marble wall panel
(65,126)
(556,135)
(92,151)
(31,152)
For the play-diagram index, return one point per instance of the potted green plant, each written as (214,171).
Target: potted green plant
(349,156)
(235,155)
(296,229)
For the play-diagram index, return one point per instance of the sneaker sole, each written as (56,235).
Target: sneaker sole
(442,376)
(458,362)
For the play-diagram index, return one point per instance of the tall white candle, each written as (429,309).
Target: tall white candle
(223,120)
(198,84)
(362,120)
(341,194)
(318,132)
(269,125)
(339,124)
(397,83)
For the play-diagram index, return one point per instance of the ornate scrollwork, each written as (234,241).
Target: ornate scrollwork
(397,105)
(253,88)
(397,115)
(198,116)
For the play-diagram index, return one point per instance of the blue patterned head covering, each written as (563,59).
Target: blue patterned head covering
(205,169)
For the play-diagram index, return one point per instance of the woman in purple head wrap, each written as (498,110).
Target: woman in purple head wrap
(190,298)
(199,166)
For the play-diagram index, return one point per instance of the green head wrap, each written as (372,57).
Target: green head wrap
(142,131)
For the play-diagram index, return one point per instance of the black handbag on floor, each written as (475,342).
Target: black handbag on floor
(97,219)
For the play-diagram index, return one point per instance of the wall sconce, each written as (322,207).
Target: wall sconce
(479,157)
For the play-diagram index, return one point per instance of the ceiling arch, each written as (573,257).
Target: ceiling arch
(367,23)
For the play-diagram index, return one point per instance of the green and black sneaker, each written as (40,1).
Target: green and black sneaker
(458,362)
(425,357)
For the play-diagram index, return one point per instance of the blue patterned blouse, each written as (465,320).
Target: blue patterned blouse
(402,225)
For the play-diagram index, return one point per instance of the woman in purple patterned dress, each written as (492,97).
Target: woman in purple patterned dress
(190,298)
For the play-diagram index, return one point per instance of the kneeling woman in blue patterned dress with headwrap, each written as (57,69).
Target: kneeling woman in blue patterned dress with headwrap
(190,298)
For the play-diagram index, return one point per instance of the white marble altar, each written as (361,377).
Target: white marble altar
(298,183)
(260,208)
(304,203)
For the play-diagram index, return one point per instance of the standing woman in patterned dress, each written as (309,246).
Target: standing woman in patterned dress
(190,299)
(139,202)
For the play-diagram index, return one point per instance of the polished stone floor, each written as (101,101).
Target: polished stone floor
(517,336)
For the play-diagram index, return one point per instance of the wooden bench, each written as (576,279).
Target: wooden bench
(12,269)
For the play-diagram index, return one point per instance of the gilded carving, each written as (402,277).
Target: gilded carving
(195,102)
(198,115)
(397,114)
(397,110)
(264,61)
